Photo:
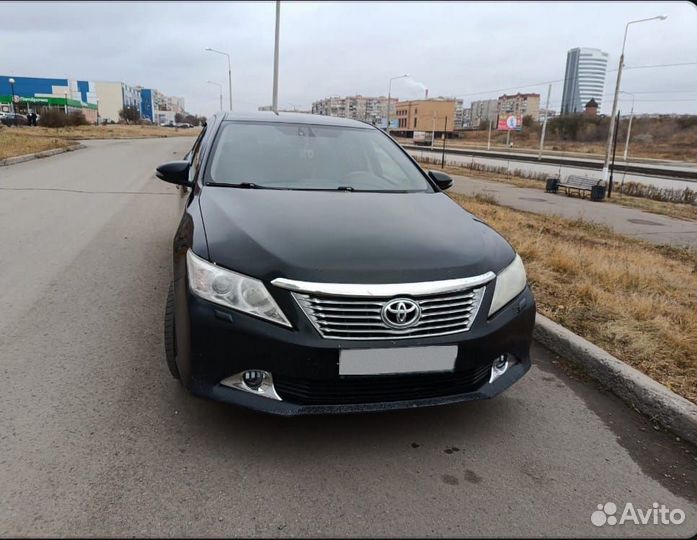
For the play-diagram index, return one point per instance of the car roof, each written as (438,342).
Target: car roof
(293,118)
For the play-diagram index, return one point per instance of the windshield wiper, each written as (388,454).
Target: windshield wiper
(345,188)
(243,185)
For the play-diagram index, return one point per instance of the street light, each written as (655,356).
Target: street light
(229,71)
(220,86)
(629,127)
(65,94)
(611,132)
(274,91)
(389,96)
(12,86)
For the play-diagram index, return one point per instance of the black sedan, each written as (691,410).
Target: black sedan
(318,269)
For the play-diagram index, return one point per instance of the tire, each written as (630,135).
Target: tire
(170,334)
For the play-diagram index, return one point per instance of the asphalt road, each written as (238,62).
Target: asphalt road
(96,439)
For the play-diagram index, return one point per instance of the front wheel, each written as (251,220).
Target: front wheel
(170,334)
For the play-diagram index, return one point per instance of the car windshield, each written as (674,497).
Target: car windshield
(311,157)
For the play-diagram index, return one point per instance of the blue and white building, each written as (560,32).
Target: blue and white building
(584,79)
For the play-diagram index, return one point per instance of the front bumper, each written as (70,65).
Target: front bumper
(222,343)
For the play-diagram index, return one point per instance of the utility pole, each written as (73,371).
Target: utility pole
(611,133)
(612,165)
(629,127)
(544,124)
(488,142)
(12,86)
(274,105)
(389,98)
(229,71)
(445,129)
(220,88)
(433,130)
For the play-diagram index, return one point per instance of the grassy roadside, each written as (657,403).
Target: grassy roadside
(15,143)
(635,300)
(670,209)
(28,140)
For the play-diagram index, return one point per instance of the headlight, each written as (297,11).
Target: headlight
(510,282)
(232,290)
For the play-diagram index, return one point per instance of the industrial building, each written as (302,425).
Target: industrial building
(439,115)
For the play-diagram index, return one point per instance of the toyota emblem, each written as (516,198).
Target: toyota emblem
(400,313)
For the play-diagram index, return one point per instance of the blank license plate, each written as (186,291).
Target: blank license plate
(397,360)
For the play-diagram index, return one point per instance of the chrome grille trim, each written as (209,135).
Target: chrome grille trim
(358,318)
(384,290)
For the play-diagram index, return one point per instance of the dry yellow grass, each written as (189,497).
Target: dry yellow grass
(14,143)
(676,210)
(664,143)
(113,131)
(635,300)
(28,140)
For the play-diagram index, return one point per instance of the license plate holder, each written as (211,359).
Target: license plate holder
(397,360)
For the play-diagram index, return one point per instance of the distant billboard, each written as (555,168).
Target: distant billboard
(512,122)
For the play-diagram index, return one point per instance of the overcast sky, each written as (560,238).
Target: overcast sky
(470,49)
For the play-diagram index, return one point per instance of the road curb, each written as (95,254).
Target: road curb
(38,155)
(640,391)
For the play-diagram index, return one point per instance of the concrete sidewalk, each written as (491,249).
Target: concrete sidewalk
(629,221)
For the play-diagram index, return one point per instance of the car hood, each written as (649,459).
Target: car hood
(347,237)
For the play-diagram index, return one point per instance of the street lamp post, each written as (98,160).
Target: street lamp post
(611,132)
(389,97)
(220,86)
(229,71)
(274,92)
(629,127)
(65,108)
(12,87)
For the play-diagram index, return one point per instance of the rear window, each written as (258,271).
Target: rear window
(302,156)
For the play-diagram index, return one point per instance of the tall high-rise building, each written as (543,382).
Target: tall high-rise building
(584,79)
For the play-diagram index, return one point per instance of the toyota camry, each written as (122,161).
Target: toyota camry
(319,269)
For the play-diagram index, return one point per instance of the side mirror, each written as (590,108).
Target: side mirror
(174,172)
(442,180)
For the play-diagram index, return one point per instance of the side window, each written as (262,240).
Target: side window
(195,156)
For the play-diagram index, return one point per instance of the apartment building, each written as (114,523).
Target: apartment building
(482,112)
(364,108)
(467,118)
(519,104)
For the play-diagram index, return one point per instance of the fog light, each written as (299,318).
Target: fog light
(253,378)
(255,381)
(499,367)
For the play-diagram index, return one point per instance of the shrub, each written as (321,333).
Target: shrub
(129,115)
(53,118)
(76,118)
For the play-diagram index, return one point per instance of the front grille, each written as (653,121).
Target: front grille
(352,317)
(380,388)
